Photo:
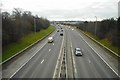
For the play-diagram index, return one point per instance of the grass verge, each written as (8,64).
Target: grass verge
(106,43)
(14,48)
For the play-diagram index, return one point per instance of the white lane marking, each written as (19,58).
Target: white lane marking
(100,56)
(49,50)
(42,61)
(82,49)
(58,59)
(75,71)
(60,66)
(89,61)
(53,43)
(73,56)
(28,60)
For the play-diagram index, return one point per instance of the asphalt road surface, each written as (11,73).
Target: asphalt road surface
(90,65)
(43,64)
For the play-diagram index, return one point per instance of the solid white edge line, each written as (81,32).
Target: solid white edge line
(24,49)
(66,62)
(89,61)
(28,60)
(58,59)
(100,56)
(73,56)
(66,67)
(102,45)
(60,67)
(61,62)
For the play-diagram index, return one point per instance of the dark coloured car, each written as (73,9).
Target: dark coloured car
(61,33)
(57,30)
(62,30)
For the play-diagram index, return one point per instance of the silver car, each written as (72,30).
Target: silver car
(78,52)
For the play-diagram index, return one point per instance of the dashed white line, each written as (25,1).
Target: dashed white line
(82,49)
(28,60)
(49,50)
(53,43)
(75,70)
(42,61)
(89,61)
(100,56)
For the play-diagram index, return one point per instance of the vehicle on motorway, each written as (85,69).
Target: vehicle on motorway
(50,39)
(78,52)
(72,29)
(58,24)
(62,30)
(61,33)
(58,30)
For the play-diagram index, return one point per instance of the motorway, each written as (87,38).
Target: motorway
(43,64)
(90,65)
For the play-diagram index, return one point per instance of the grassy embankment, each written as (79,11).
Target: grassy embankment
(106,43)
(14,48)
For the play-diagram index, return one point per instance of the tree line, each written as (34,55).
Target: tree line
(106,29)
(19,24)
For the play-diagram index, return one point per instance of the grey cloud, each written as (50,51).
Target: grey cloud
(99,9)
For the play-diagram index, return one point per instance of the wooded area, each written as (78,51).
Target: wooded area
(106,29)
(19,24)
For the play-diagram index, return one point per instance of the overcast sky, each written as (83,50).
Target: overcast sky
(66,9)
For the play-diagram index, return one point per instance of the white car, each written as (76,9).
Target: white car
(50,39)
(78,52)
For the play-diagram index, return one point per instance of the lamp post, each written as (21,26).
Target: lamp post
(95,25)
